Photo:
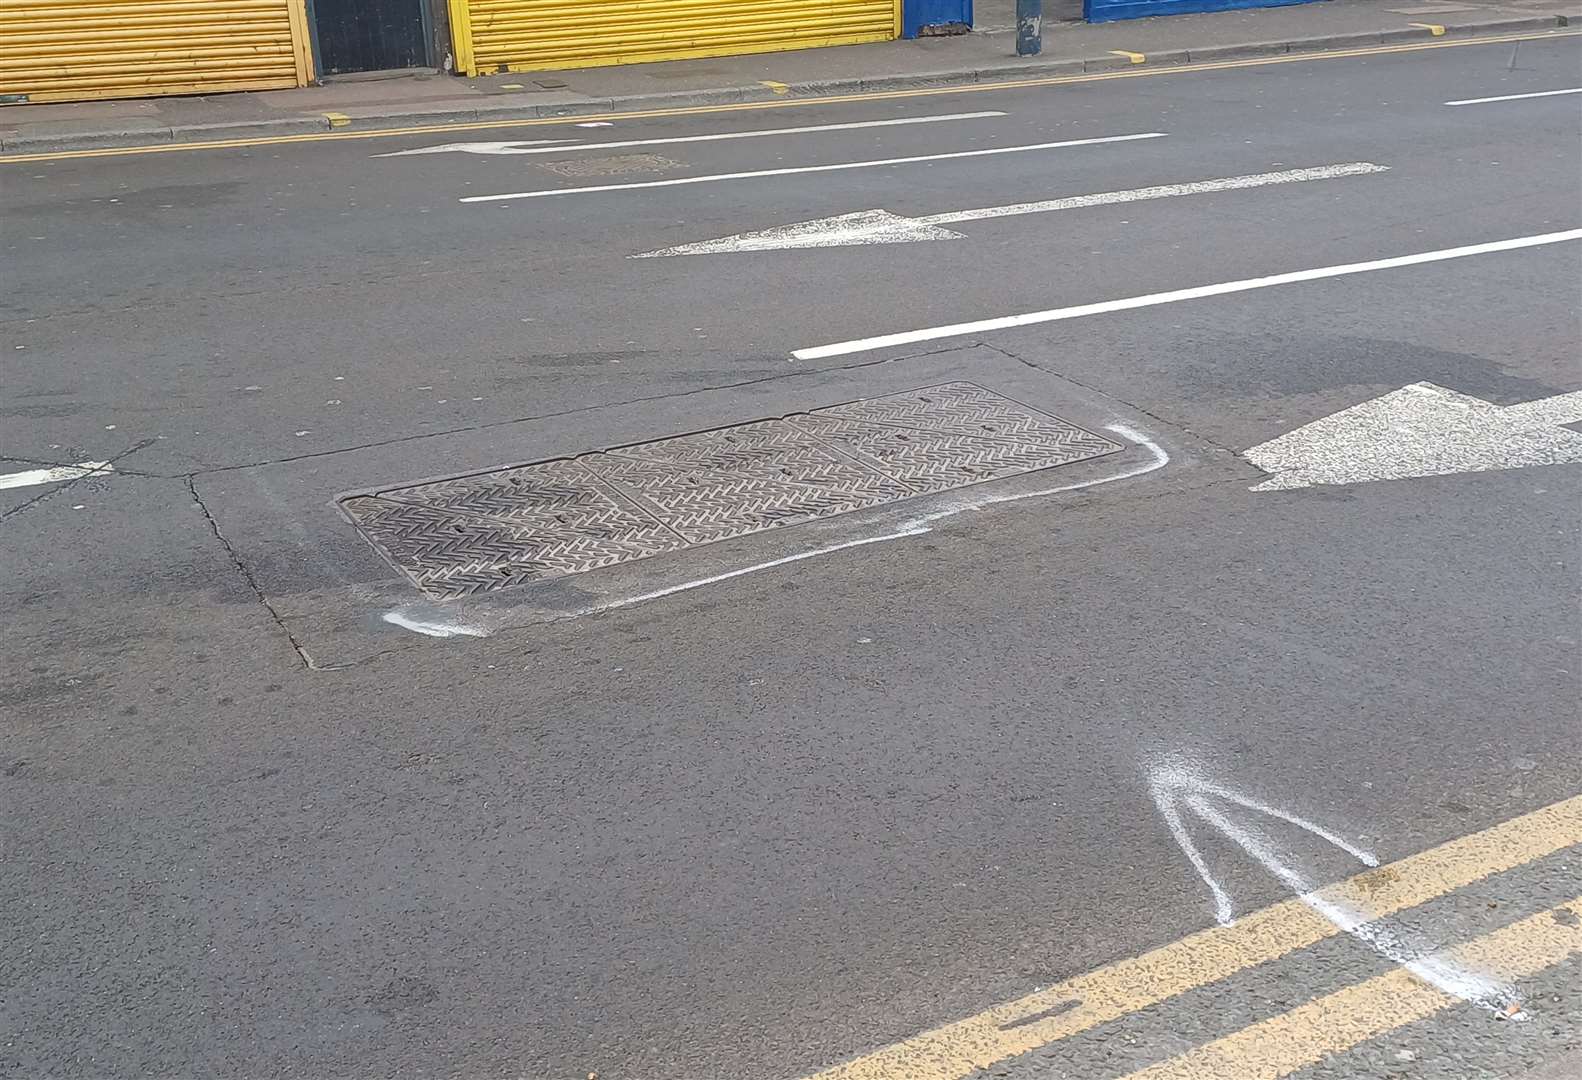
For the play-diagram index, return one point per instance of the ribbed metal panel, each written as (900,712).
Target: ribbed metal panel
(64,50)
(517,35)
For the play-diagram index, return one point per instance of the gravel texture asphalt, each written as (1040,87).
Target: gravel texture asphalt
(761,825)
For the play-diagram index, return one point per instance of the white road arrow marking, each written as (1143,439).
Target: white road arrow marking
(1421,430)
(1175,789)
(57,473)
(883,227)
(542,146)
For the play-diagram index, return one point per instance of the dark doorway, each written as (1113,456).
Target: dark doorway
(369,35)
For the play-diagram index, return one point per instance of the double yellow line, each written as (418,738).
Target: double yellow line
(1328,1025)
(1137,72)
(1281,1045)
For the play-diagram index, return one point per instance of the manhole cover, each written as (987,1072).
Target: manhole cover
(528,523)
(618,165)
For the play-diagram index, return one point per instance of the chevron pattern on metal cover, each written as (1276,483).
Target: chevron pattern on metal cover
(473,534)
(719,484)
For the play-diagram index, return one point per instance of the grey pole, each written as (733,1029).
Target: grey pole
(1029,27)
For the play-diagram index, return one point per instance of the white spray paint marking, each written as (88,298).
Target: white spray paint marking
(1170,786)
(1459,982)
(1421,430)
(837,167)
(484,147)
(883,227)
(55,473)
(917,526)
(935,333)
(1515,97)
(431,628)
(1173,788)
(540,146)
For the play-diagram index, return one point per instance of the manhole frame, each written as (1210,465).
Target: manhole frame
(383,490)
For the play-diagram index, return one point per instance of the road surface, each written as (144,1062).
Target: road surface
(895,772)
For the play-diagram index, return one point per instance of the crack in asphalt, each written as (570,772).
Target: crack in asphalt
(247,575)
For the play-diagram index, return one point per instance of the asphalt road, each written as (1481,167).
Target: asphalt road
(759,807)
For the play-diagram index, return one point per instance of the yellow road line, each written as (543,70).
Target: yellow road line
(1141,71)
(1134,57)
(961,1048)
(1336,1022)
(1433,28)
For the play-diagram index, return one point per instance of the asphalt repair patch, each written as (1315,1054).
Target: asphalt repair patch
(482,532)
(343,601)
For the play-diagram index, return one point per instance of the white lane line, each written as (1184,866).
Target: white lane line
(58,472)
(1515,97)
(567,146)
(917,526)
(813,168)
(934,333)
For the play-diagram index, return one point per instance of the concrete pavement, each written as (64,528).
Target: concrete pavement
(760,807)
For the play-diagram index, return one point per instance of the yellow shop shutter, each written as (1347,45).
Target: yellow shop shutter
(67,50)
(518,35)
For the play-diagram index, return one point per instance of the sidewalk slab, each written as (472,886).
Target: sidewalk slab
(427,99)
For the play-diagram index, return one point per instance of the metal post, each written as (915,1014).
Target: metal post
(1029,27)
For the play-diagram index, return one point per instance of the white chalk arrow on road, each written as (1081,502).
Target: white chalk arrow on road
(1421,430)
(1181,794)
(883,227)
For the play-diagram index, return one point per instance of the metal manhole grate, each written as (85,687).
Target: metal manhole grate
(487,531)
